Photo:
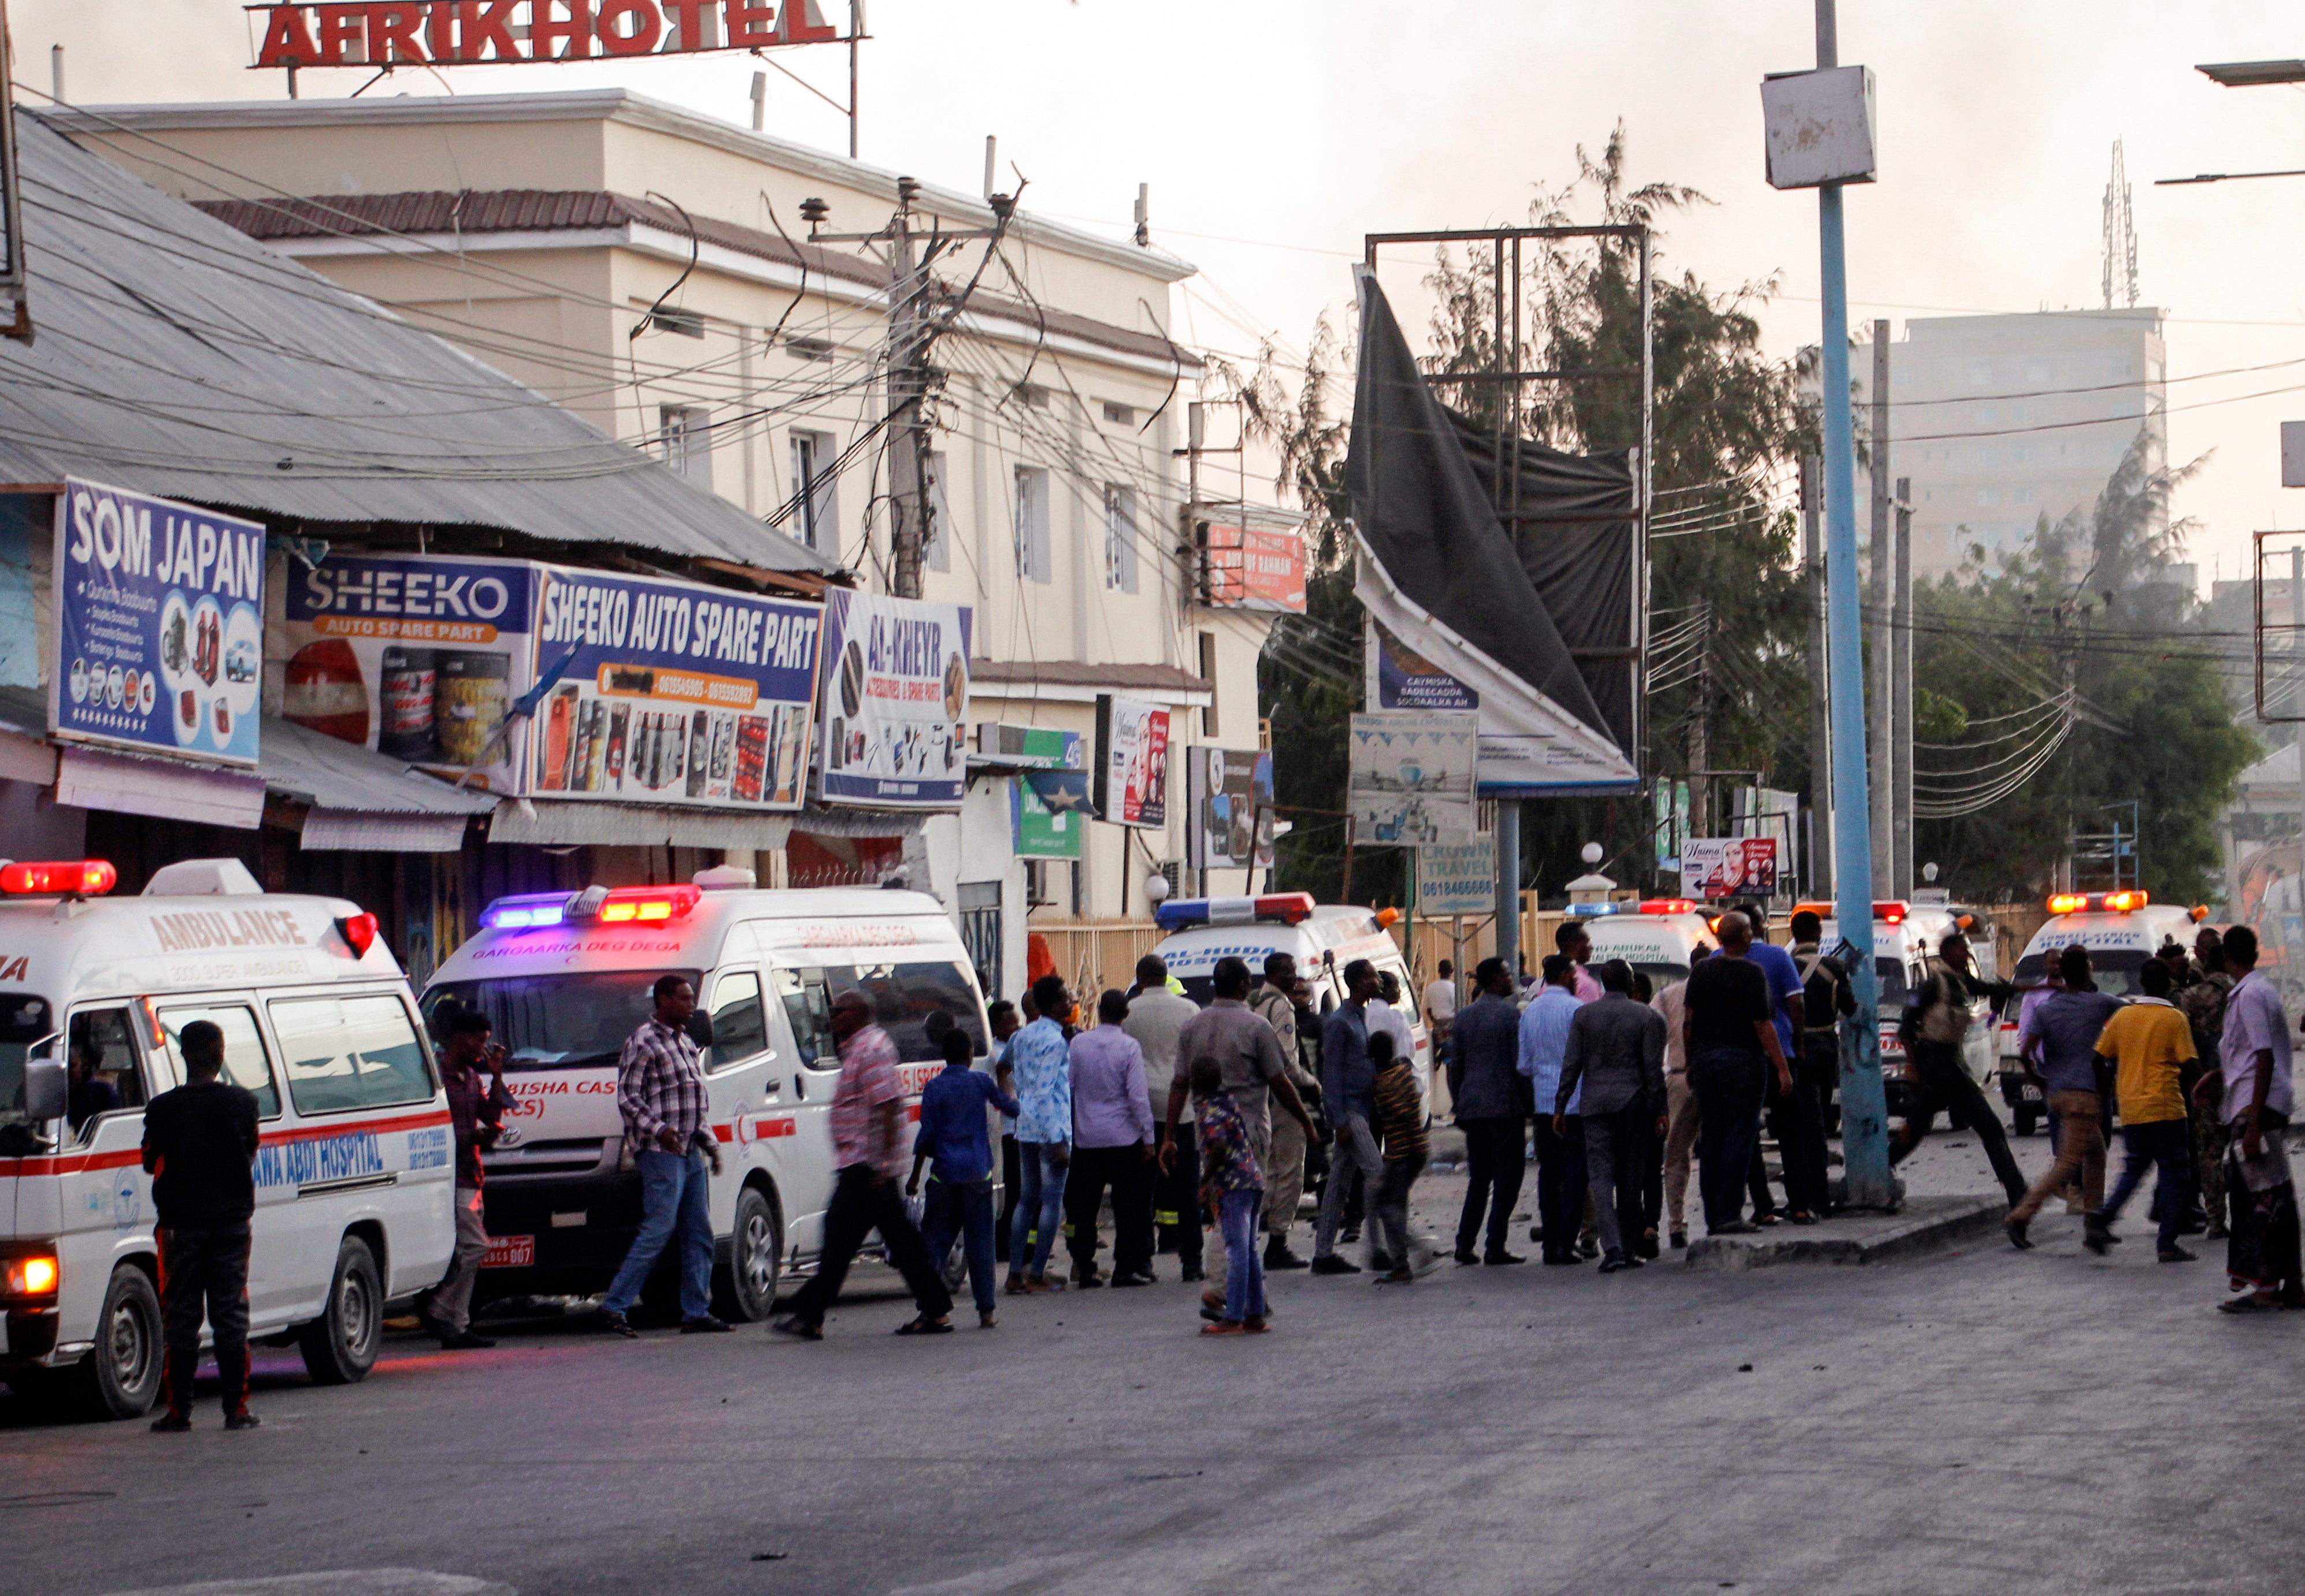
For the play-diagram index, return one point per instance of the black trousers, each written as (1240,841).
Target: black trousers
(1940,1083)
(205,1267)
(1798,1122)
(1129,1175)
(1729,1085)
(1177,1198)
(860,1206)
(1011,1176)
(1493,1162)
(1559,1184)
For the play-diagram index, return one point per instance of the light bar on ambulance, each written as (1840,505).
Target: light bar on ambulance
(2112,902)
(76,877)
(1887,913)
(624,906)
(526,913)
(1283,908)
(648,906)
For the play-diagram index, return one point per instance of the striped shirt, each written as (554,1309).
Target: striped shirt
(1400,1114)
(868,1080)
(659,1085)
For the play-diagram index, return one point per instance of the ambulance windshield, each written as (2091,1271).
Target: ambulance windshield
(555,1022)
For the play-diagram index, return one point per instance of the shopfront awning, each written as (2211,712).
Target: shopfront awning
(360,801)
(559,824)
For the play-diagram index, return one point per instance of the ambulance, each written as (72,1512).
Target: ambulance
(566,977)
(1323,937)
(1657,937)
(1905,937)
(354,1185)
(2120,931)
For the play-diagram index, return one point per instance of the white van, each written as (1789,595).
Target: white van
(1657,937)
(565,980)
(354,1185)
(1905,937)
(1323,937)
(2120,931)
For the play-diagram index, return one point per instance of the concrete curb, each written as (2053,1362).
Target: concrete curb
(1923,1224)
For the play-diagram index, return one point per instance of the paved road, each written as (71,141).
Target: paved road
(1980,1421)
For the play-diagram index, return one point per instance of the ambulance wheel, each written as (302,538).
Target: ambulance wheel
(746,1289)
(122,1374)
(340,1346)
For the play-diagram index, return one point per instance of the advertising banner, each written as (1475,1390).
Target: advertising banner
(1231,797)
(1132,763)
(1411,779)
(1455,878)
(896,701)
(159,626)
(1725,867)
(416,656)
(1259,568)
(674,692)
(1046,808)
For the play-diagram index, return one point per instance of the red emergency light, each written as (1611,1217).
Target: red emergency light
(1667,907)
(2113,903)
(76,877)
(648,906)
(358,932)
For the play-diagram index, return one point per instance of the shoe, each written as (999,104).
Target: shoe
(1586,1247)
(1633,1262)
(242,1420)
(2176,1255)
(1137,1277)
(708,1324)
(1536,1234)
(431,1327)
(985,1320)
(1679,1240)
(1502,1258)
(1466,1255)
(172,1423)
(1611,1262)
(1224,1327)
(1334,1265)
(1647,1247)
(1041,1286)
(1191,1273)
(1254,1325)
(466,1341)
(1015,1286)
(610,1322)
(1802,1217)
(1400,1276)
(923,1325)
(1383,1263)
(1350,1236)
(2247,1305)
(2017,1237)
(1277,1255)
(799,1329)
(2097,1235)
(1088,1282)
(2215,1233)
(1560,1260)
(1770,1218)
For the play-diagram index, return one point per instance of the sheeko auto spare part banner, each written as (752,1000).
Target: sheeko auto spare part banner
(673,692)
(159,630)
(896,699)
(416,656)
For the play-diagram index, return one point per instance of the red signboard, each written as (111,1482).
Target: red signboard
(468,32)
(1253,568)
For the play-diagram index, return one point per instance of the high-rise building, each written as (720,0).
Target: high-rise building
(2000,420)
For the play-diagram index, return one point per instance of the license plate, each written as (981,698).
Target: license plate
(509,1252)
(2029,1092)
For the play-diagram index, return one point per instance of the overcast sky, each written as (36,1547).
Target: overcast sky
(1276,133)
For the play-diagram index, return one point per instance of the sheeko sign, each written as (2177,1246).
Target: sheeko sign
(469,32)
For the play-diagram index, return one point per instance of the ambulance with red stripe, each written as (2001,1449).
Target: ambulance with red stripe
(354,1185)
(564,978)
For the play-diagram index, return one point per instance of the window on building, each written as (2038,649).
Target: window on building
(685,433)
(1120,415)
(809,349)
(1032,395)
(815,482)
(2021,414)
(979,904)
(1208,674)
(1988,496)
(1119,538)
(1036,561)
(938,554)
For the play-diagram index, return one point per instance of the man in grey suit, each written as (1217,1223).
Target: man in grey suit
(1490,1095)
(1616,1048)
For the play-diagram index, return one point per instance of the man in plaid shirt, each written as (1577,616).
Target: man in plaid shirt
(660,1093)
(867,1150)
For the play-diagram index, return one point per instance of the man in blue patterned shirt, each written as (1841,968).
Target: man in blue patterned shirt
(1041,1060)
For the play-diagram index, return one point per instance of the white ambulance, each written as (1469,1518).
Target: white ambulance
(2120,931)
(1323,937)
(1905,937)
(1657,937)
(566,979)
(354,1187)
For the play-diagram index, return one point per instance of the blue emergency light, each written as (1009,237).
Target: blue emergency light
(1283,908)
(526,913)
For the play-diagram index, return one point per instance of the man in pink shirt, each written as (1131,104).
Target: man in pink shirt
(1570,936)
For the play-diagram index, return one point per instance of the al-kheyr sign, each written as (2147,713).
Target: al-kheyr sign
(469,32)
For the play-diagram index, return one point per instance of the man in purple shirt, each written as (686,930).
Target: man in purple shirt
(1112,1145)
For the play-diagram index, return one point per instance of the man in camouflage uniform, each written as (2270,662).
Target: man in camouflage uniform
(2202,1001)
(1284,1175)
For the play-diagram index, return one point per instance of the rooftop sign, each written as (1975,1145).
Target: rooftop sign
(471,32)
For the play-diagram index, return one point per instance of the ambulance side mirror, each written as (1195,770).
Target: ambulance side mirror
(48,1085)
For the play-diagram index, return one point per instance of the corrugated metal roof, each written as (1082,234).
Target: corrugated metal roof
(175,356)
(327,772)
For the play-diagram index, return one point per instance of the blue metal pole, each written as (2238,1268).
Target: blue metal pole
(1864,1104)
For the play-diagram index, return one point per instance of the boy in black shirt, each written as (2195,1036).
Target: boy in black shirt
(200,1147)
(1732,1048)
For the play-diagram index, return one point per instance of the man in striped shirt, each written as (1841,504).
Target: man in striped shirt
(660,1094)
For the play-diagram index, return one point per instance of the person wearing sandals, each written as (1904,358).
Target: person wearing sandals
(954,1144)
(868,1152)
(2254,1091)
(1232,1183)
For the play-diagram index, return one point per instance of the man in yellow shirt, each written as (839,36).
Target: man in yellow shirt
(2149,1041)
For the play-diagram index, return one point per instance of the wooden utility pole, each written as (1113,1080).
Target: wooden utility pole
(1881,600)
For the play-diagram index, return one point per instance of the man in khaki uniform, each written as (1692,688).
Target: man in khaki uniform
(1285,1176)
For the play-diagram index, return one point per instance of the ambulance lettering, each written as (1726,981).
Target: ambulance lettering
(198,930)
(13,969)
(311,1160)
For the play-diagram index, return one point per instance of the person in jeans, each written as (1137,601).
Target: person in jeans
(1233,1185)
(1002,1016)
(1348,1100)
(957,1148)
(1730,1032)
(477,1105)
(1490,1096)
(660,1096)
(1156,1018)
(2254,1097)
(2057,1044)
(1615,1059)
(1937,1020)
(2150,1044)
(200,1149)
(1559,1143)
(1400,1129)
(1112,1146)
(867,1156)
(1041,1059)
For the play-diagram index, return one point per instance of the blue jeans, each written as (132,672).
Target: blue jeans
(1244,1264)
(1040,1206)
(962,1208)
(674,1193)
(2167,1144)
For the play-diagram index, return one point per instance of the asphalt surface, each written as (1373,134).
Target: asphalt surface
(1973,1421)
